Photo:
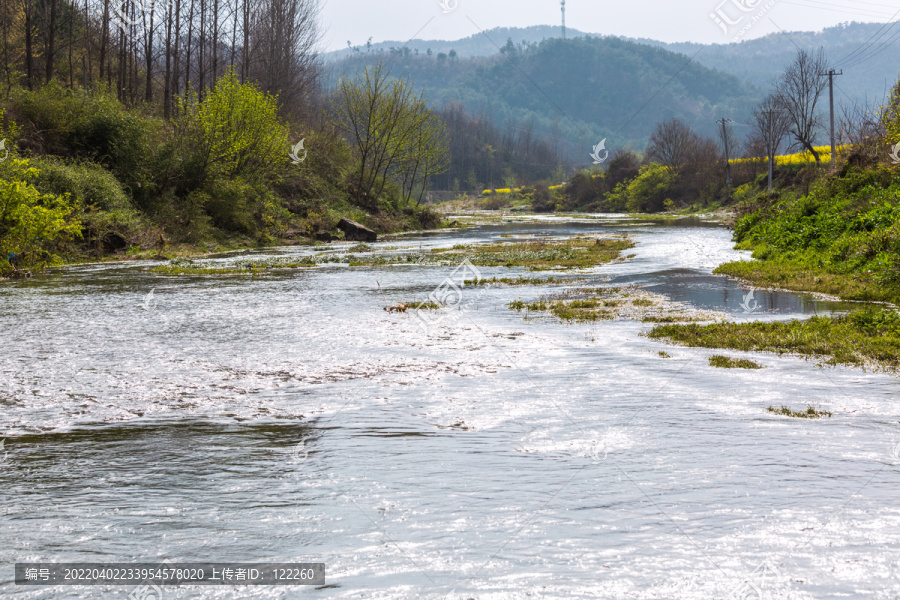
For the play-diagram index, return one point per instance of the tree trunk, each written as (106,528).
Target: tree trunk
(202,61)
(29,67)
(50,48)
(167,84)
(104,38)
(148,63)
(190,44)
(245,51)
(215,42)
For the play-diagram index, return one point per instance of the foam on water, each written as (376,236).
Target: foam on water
(483,456)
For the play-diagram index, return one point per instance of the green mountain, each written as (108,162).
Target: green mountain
(573,92)
(867,53)
(480,44)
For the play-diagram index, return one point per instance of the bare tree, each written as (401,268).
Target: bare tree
(670,143)
(771,123)
(859,124)
(396,136)
(798,92)
(283,40)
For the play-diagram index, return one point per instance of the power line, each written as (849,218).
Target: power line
(875,51)
(878,33)
(817,4)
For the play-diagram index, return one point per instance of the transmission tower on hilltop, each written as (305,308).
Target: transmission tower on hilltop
(562,4)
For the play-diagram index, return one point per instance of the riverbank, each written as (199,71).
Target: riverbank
(841,239)
(867,338)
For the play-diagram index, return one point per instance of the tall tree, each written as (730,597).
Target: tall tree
(50,37)
(798,92)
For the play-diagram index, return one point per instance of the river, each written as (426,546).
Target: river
(479,454)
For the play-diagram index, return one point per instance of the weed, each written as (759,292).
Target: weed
(725,362)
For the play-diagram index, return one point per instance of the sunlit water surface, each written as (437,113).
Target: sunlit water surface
(481,455)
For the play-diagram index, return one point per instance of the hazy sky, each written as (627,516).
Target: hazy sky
(670,21)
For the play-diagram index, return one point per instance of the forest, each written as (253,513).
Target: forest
(135,127)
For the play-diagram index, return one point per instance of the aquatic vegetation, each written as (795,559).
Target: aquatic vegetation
(522,281)
(784,274)
(725,362)
(572,253)
(416,305)
(599,303)
(536,255)
(869,337)
(244,267)
(811,412)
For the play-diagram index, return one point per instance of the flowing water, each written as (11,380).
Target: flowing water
(481,454)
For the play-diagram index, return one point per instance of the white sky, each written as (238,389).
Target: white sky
(668,21)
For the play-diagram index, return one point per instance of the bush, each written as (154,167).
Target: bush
(235,131)
(88,183)
(542,199)
(645,193)
(240,206)
(104,206)
(32,224)
(85,124)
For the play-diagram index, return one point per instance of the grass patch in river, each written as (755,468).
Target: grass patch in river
(811,412)
(427,305)
(522,281)
(536,255)
(868,337)
(725,362)
(189,267)
(598,304)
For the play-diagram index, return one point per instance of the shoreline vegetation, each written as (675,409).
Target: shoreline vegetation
(868,338)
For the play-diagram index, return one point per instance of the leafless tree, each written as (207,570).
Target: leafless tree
(859,123)
(798,92)
(671,143)
(283,57)
(771,123)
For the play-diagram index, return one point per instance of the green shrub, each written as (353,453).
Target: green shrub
(88,183)
(86,124)
(240,206)
(235,131)
(32,224)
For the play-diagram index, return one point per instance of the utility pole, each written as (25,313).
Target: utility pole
(724,123)
(831,73)
(562,4)
(771,144)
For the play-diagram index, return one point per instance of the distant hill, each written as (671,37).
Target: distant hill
(574,92)
(480,44)
(868,69)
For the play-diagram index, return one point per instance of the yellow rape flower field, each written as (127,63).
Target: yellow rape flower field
(801,158)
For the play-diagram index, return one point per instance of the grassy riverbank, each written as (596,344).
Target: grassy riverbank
(865,338)
(840,239)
